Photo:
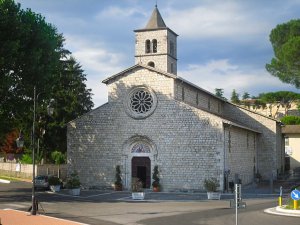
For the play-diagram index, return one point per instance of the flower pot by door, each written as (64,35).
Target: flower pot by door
(138,195)
(75,191)
(156,189)
(55,188)
(214,195)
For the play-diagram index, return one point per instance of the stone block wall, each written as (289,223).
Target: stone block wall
(241,150)
(269,141)
(197,98)
(162,58)
(188,142)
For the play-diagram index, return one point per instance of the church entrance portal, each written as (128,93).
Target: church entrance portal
(141,168)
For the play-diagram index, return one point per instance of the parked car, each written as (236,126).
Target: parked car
(41,181)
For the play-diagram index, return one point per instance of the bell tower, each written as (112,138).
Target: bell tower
(156,45)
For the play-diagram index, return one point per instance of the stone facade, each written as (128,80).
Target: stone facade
(154,117)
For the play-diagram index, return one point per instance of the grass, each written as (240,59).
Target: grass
(290,204)
(8,178)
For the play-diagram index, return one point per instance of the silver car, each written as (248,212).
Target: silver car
(41,181)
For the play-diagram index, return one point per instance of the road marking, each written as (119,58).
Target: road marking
(77,196)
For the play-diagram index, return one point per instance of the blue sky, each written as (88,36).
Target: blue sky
(221,44)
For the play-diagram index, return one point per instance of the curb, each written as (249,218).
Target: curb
(283,212)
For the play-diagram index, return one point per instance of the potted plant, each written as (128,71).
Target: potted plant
(211,186)
(155,177)
(73,183)
(54,183)
(137,189)
(258,177)
(118,182)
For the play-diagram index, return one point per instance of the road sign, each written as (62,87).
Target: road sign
(295,194)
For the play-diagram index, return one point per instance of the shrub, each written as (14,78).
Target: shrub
(155,177)
(73,181)
(118,181)
(211,184)
(54,180)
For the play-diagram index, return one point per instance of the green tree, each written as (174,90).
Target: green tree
(246,95)
(235,97)
(32,54)
(219,93)
(285,39)
(280,98)
(291,120)
(72,99)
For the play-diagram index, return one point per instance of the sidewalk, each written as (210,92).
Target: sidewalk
(15,217)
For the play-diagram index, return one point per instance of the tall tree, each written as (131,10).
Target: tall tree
(246,95)
(235,97)
(285,65)
(32,54)
(219,93)
(72,99)
(280,98)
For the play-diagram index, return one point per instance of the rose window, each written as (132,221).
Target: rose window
(141,101)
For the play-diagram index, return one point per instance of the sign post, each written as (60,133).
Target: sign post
(295,195)
(237,201)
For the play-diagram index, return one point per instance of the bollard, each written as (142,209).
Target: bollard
(295,204)
(280,197)
(279,201)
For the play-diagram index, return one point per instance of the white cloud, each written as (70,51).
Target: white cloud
(223,74)
(116,12)
(95,56)
(228,19)
(97,62)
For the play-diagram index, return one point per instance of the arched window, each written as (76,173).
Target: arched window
(148,46)
(140,148)
(151,64)
(154,45)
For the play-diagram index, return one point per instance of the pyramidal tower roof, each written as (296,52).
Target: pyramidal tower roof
(156,21)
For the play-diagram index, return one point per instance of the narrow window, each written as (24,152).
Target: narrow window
(172,49)
(182,93)
(151,64)
(247,140)
(172,68)
(229,142)
(148,46)
(154,45)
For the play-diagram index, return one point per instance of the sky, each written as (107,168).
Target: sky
(221,43)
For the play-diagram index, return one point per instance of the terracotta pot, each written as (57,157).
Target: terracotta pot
(118,187)
(156,189)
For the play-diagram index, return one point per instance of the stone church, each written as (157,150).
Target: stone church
(155,117)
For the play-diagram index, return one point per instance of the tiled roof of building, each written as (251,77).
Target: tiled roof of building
(156,21)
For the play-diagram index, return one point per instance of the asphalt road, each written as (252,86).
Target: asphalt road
(112,208)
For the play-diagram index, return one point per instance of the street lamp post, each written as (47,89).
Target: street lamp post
(33,203)
(20,143)
(50,111)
